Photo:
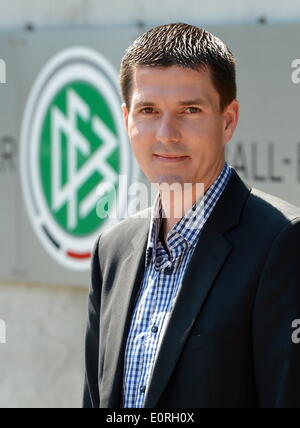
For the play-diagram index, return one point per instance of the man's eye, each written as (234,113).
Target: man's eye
(147,110)
(193,110)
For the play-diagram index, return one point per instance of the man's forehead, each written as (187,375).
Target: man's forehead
(147,73)
(182,84)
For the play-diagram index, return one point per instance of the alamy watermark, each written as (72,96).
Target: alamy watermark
(2,332)
(295,76)
(2,71)
(296,333)
(120,200)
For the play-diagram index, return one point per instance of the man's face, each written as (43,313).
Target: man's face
(175,111)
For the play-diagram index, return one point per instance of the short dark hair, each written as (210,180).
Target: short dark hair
(186,46)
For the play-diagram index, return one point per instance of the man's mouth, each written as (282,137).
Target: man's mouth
(170,158)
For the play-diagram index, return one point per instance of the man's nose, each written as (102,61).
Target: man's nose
(168,130)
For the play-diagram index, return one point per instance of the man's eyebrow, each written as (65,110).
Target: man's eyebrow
(198,101)
(144,104)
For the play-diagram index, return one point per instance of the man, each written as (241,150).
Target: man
(194,310)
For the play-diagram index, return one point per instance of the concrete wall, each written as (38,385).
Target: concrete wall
(118,12)
(41,364)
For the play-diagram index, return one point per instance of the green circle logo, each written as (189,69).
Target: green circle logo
(72,140)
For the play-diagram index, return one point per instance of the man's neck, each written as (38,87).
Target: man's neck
(176,204)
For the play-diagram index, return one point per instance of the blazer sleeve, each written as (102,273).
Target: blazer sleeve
(277,305)
(91,397)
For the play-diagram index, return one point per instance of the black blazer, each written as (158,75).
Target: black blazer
(229,339)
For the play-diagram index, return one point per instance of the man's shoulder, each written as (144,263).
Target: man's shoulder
(273,205)
(122,233)
(270,211)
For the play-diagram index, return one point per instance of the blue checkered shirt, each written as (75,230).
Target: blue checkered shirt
(160,285)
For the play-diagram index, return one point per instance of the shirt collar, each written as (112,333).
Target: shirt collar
(189,226)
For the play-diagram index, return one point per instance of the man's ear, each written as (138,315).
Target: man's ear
(231,115)
(125,115)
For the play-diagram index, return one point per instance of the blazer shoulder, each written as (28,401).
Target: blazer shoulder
(273,204)
(121,234)
(270,210)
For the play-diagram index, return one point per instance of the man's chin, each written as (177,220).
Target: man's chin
(170,179)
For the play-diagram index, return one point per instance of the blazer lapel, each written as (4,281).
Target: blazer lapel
(207,260)
(127,283)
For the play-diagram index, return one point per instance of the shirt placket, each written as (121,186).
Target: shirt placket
(146,346)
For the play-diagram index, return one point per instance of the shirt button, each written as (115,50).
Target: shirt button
(154,329)
(142,389)
(168,270)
